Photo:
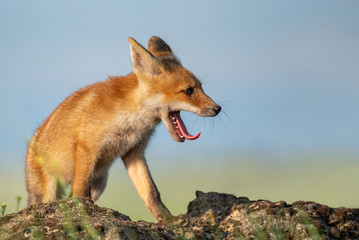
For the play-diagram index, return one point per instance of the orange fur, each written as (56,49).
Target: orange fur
(79,141)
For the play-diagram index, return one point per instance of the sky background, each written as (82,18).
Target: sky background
(286,73)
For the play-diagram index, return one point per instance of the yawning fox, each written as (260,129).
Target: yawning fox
(114,118)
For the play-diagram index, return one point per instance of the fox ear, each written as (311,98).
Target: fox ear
(160,49)
(143,61)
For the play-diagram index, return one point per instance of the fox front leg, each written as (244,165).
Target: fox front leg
(140,175)
(83,171)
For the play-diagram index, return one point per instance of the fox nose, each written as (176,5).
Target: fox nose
(217,109)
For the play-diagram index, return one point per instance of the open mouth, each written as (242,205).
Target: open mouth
(180,127)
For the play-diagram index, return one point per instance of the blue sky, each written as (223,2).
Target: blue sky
(285,72)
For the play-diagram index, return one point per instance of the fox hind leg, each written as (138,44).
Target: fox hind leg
(50,189)
(32,187)
(41,187)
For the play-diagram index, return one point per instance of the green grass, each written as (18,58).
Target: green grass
(327,181)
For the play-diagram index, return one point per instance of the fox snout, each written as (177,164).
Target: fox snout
(211,111)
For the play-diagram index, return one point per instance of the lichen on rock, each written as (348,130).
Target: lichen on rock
(209,216)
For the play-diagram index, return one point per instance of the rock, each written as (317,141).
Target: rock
(210,216)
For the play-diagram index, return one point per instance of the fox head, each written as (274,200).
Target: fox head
(162,75)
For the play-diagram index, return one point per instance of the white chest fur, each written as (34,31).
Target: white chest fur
(128,130)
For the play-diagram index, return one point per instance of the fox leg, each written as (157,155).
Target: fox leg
(98,184)
(43,192)
(33,181)
(40,185)
(34,185)
(50,187)
(83,171)
(139,173)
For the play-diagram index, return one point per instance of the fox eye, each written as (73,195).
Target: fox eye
(188,91)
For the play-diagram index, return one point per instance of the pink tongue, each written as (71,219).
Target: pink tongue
(183,128)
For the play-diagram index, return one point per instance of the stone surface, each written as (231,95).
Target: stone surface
(210,216)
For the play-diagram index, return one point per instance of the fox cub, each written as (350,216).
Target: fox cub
(114,118)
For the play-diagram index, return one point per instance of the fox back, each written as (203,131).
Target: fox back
(115,118)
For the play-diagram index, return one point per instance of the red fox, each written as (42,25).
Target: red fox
(115,118)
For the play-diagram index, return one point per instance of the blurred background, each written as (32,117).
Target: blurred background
(285,72)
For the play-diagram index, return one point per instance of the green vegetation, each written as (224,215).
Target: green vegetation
(18,201)
(3,209)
